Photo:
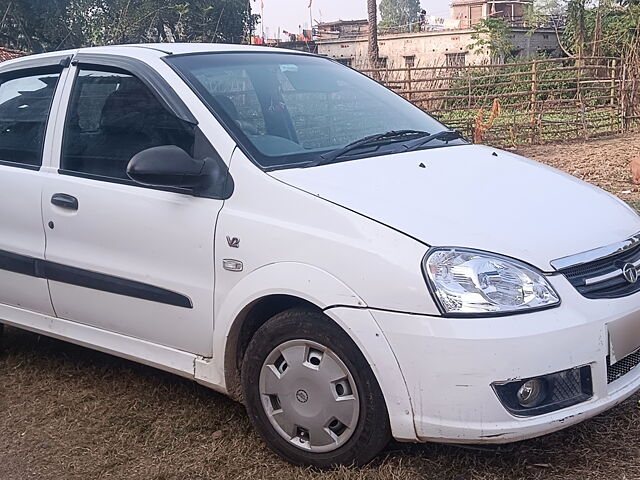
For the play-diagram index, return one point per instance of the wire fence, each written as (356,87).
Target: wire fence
(527,102)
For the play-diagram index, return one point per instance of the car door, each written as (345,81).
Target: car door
(123,257)
(26,98)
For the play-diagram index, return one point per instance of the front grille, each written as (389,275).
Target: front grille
(622,367)
(615,286)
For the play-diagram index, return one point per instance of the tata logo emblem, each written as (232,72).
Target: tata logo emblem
(302,396)
(630,273)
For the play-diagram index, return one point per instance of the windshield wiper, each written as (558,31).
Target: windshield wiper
(393,135)
(444,135)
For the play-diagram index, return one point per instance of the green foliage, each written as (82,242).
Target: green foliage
(575,33)
(621,27)
(510,79)
(492,35)
(602,27)
(545,100)
(544,14)
(399,12)
(29,24)
(618,35)
(44,25)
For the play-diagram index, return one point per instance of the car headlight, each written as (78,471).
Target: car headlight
(469,282)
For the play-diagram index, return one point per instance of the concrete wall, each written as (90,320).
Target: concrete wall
(431,48)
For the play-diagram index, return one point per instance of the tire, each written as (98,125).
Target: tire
(330,410)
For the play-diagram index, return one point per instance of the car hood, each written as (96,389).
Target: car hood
(476,197)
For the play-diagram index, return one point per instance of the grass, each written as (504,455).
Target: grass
(72,413)
(513,126)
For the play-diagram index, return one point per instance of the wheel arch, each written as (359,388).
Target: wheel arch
(260,295)
(250,319)
(339,304)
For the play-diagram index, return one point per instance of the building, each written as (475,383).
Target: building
(9,54)
(342,29)
(469,12)
(439,42)
(307,46)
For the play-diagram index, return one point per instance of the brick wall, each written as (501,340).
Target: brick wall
(8,54)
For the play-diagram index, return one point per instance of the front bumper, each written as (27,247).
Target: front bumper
(450,364)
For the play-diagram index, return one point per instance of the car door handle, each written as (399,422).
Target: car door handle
(63,200)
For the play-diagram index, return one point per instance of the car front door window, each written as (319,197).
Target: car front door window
(112,117)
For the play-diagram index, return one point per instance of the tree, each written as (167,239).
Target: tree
(31,25)
(221,21)
(374,52)
(399,12)
(44,25)
(593,27)
(546,14)
(492,35)
(575,33)
(610,28)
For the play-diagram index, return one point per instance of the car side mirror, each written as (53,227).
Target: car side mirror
(171,166)
(166,166)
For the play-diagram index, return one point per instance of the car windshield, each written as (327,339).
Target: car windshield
(290,110)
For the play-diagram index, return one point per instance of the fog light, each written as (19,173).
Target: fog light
(547,393)
(532,393)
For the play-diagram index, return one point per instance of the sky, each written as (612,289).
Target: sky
(291,15)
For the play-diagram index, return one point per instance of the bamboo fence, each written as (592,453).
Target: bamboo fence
(527,102)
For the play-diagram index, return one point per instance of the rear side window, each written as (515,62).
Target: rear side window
(25,104)
(112,117)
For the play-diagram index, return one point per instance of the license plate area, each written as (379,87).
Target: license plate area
(624,337)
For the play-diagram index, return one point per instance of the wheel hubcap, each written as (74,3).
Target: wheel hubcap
(309,396)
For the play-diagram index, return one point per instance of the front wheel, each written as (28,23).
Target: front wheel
(311,394)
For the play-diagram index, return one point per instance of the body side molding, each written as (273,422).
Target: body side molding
(80,277)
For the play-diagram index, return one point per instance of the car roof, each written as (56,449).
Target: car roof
(143,50)
(182,48)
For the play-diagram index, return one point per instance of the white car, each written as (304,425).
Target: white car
(286,231)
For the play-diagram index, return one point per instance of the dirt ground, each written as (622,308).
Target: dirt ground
(604,162)
(67,412)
